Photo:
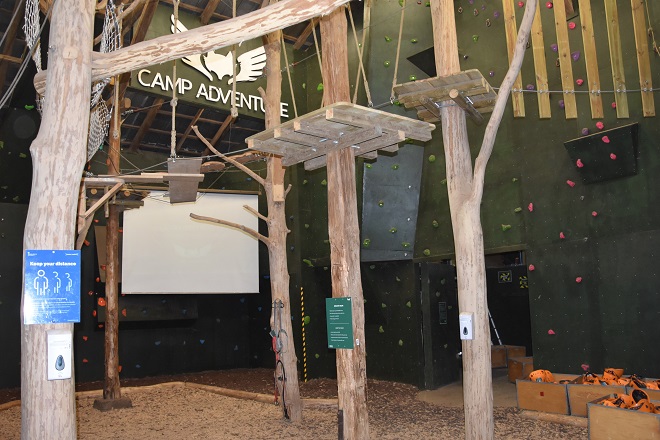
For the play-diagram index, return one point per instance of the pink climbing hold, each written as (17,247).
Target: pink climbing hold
(579,81)
(530,207)
(600,125)
(612,156)
(521,4)
(549,5)
(614,105)
(585,367)
(561,235)
(532,268)
(578,280)
(606,139)
(594,214)
(551,332)
(571,25)
(579,163)
(570,183)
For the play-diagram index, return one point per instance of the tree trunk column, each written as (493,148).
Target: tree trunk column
(277,231)
(468,236)
(344,234)
(58,157)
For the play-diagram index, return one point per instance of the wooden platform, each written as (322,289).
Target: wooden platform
(470,84)
(311,137)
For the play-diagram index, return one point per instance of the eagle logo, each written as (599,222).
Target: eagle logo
(250,64)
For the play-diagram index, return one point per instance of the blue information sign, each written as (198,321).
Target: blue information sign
(52,287)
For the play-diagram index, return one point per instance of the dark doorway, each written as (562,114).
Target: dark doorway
(440,324)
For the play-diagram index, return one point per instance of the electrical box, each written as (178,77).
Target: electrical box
(60,354)
(466,321)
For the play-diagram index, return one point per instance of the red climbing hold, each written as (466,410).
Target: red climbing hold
(551,332)
(579,163)
(600,125)
(594,213)
(578,280)
(561,235)
(530,207)
(612,156)
(606,139)
(548,5)
(101,302)
(85,338)
(123,312)
(532,268)
(570,183)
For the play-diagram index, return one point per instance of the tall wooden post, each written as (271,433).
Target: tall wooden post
(277,232)
(468,236)
(111,386)
(58,156)
(344,234)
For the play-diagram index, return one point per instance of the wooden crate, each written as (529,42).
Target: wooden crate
(500,354)
(606,422)
(519,368)
(653,394)
(580,395)
(545,397)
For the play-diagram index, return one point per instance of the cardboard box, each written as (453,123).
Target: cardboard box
(500,354)
(519,368)
(542,396)
(606,422)
(580,395)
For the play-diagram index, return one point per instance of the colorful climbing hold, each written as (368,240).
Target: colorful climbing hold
(435,223)
(443,182)
(518,209)
(562,236)
(412,78)
(316,355)
(606,139)
(381,203)
(432,158)
(614,105)
(306,320)
(475,37)
(551,332)
(594,214)
(585,367)
(514,180)
(579,163)
(383,305)
(585,131)
(400,343)
(549,5)
(409,304)
(612,156)
(319,87)
(388,39)
(571,25)
(575,56)
(405,244)
(393,230)
(386,63)
(530,86)
(496,14)
(578,280)
(368,165)
(561,103)
(381,329)
(554,47)
(324,182)
(570,183)
(366,242)
(530,207)
(123,312)
(308,262)
(579,81)
(600,125)
(491,73)
(531,268)
(506,228)
(413,40)
(427,252)
(521,4)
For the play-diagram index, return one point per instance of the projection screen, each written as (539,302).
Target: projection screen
(166,251)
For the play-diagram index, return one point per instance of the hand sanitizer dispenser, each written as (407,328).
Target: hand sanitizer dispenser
(60,354)
(466,322)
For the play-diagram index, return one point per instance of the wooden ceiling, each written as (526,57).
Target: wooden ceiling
(147,120)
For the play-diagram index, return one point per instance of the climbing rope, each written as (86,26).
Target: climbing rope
(234,110)
(361,66)
(318,55)
(173,103)
(288,74)
(398,49)
(650,30)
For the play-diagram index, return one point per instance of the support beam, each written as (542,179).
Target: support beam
(59,153)
(300,42)
(146,124)
(218,134)
(193,122)
(204,38)
(344,234)
(208,11)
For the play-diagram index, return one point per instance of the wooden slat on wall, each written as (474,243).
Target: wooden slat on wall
(565,61)
(540,66)
(616,59)
(591,59)
(511,30)
(643,62)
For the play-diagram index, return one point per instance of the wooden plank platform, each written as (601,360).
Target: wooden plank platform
(565,60)
(643,61)
(511,30)
(591,59)
(311,137)
(616,56)
(540,66)
(471,84)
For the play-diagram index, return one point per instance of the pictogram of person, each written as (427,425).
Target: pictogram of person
(41,283)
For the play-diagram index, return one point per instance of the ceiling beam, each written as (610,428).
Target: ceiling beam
(10,59)
(208,11)
(10,37)
(218,134)
(305,34)
(189,129)
(146,124)
(142,25)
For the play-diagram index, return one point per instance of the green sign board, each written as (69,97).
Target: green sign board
(339,318)
(207,79)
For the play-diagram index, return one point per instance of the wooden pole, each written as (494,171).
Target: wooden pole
(58,157)
(344,234)
(465,191)
(277,233)
(111,386)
